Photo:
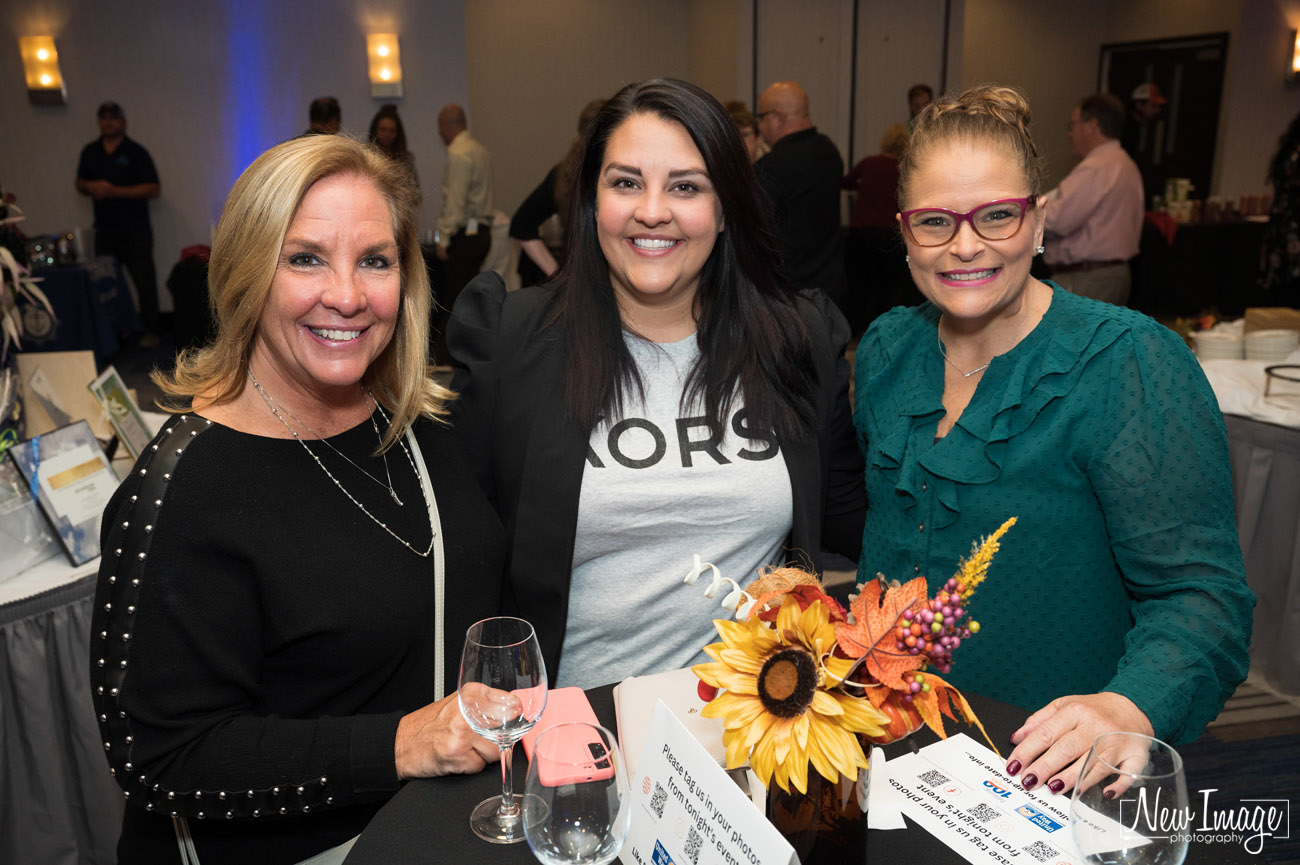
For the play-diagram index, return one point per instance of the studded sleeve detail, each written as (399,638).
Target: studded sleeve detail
(125,573)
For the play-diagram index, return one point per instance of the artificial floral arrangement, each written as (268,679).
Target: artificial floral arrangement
(15,279)
(805,682)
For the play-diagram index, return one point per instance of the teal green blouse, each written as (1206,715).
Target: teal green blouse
(1100,432)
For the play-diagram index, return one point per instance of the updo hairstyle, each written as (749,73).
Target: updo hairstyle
(990,115)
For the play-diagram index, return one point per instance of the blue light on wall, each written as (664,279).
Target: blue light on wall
(255,121)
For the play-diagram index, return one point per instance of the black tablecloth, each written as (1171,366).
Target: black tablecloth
(1209,265)
(92,308)
(428,821)
(58,804)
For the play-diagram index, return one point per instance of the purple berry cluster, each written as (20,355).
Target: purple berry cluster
(936,629)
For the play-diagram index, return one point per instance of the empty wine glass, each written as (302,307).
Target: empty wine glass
(502,693)
(1129,806)
(576,810)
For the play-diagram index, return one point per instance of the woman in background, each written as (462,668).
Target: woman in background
(878,278)
(1118,601)
(747,124)
(551,197)
(668,395)
(389,135)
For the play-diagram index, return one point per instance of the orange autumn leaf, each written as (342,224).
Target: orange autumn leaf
(942,698)
(872,635)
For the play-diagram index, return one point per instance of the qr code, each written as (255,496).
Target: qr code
(983,813)
(934,778)
(657,800)
(1040,851)
(693,843)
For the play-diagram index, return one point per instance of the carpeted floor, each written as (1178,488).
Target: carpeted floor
(1251,751)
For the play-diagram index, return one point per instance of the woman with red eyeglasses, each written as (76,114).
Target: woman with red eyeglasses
(1118,601)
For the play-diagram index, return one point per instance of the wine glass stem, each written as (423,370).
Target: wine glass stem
(509,807)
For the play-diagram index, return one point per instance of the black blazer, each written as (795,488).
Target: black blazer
(528,452)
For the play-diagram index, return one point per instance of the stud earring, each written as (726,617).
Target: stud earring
(907,259)
(1040,250)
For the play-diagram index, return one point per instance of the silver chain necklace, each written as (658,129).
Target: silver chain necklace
(271,404)
(938,336)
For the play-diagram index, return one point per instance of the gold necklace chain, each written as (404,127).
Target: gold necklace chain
(271,404)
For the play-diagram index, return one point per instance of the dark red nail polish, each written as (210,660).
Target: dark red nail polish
(1109,794)
(1029,782)
(1013,767)
(1056,785)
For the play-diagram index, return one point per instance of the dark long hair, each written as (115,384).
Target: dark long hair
(749,331)
(399,143)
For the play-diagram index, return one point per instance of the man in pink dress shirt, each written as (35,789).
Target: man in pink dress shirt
(1094,218)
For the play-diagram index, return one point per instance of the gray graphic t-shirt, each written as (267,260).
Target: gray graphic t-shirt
(656,492)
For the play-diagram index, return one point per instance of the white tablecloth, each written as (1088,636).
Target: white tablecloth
(1239,387)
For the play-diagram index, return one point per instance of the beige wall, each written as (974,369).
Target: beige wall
(898,46)
(810,42)
(1049,50)
(1257,104)
(715,30)
(535,64)
(207,85)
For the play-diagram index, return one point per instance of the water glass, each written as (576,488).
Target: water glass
(576,809)
(1129,806)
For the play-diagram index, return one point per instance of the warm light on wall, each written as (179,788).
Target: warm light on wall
(41,64)
(385,66)
(1294,57)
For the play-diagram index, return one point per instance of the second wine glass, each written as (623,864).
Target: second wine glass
(1127,803)
(502,693)
(576,807)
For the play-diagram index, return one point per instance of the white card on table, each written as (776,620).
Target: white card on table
(687,810)
(958,791)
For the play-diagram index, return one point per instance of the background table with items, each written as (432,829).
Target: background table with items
(58,803)
(428,820)
(92,309)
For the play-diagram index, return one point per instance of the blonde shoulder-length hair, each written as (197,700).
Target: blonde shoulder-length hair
(245,251)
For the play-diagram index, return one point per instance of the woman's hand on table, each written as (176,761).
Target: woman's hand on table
(435,740)
(1052,744)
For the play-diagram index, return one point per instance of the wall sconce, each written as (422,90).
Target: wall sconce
(385,66)
(41,64)
(1293,58)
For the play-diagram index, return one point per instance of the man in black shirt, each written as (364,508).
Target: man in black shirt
(120,176)
(801,179)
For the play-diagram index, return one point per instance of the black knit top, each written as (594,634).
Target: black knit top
(257,637)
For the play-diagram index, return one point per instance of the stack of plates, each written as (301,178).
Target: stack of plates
(1220,345)
(1271,345)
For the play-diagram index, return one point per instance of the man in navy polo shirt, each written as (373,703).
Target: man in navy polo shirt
(120,176)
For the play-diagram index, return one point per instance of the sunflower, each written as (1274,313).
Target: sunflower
(779,708)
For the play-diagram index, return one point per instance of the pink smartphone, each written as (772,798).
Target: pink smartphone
(581,754)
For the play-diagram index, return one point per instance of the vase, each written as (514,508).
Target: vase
(827,825)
